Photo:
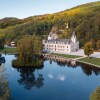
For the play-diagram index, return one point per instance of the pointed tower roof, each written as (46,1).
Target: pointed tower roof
(74,34)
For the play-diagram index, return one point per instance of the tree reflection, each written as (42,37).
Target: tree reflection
(39,81)
(28,78)
(2,59)
(36,60)
(64,64)
(27,71)
(4,88)
(87,69)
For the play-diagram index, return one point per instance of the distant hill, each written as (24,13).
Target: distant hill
(7,22)
(84,19)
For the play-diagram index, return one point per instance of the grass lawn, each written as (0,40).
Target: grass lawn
(95,61)
(8,50)
(66,55)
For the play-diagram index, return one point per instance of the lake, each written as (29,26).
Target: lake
(53,81)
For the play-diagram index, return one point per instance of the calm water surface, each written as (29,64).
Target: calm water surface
(53,81)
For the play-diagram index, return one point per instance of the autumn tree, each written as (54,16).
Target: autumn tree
(88,49)
(95,94)
(98,44)
(28,46)
(82,19)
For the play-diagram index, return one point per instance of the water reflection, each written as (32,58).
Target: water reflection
(2,59)
(87,69)
(4,88)
(28,78)
(27,69)
(34,61)
(51,80)
(60,77)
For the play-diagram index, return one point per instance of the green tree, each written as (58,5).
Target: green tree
(1,44)
(88,48)
(4,88)
(95,94)
(28,46)
(98,44)
(84,19)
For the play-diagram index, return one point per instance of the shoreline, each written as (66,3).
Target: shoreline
(76,59)
(88,63)
(65,58)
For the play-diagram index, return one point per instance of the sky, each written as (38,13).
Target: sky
(27,8)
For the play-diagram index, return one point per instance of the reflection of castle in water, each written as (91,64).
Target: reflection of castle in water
(87,69)
(60,59)
(30,76)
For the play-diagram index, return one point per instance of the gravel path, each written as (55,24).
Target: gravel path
(80,52)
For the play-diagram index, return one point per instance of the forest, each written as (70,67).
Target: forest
(83,19)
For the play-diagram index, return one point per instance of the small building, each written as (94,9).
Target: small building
(63,46)
(12,44)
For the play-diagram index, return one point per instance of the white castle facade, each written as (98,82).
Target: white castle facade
(63,46)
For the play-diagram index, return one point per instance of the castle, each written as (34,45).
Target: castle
(63,46)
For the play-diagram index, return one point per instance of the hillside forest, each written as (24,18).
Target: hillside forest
(83,19)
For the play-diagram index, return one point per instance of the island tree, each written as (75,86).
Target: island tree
(29,45)
(88,48)
(28,48)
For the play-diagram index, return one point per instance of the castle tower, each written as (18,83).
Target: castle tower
(73,38)
(52,36)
